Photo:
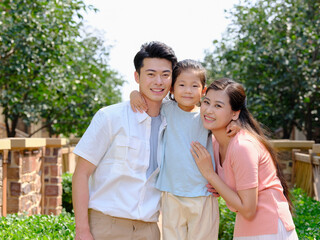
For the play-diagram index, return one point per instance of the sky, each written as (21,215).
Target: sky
(188,26)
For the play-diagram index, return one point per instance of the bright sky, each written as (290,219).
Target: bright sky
(188,26)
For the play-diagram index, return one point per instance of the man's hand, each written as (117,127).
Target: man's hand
(83,235)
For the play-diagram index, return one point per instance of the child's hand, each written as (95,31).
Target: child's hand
(137,102)
(233,128)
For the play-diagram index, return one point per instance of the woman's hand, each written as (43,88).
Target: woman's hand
(137,102)
(212,190)
(203,159)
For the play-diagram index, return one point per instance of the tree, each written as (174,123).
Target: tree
(48,71)
(273,48)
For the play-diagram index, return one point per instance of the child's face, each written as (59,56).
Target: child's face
(188,90)
(216,111)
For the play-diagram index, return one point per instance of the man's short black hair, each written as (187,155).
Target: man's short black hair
(154,50)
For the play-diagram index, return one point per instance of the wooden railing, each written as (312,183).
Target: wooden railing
(284,149)
(306,170)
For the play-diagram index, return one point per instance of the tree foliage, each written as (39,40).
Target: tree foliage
(50,70)
(272,46)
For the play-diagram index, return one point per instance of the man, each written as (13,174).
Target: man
(113,185)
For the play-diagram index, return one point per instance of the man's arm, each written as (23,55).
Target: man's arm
(80,197)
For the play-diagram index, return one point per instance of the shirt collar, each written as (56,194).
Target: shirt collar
(141,116)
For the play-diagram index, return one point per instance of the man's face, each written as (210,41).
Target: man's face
(154,79)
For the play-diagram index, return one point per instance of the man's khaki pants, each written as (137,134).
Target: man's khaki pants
(107,227)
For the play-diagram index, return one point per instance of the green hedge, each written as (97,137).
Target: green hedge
(306,218)
(67,192)
(42,227)
(226,223)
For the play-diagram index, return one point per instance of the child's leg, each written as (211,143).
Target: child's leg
(174,224)
(203,218)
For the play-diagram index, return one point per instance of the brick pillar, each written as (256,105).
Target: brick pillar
(5,145)
(24,175)
(1,184)
(53,176)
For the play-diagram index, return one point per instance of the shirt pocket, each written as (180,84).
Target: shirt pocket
(138,157)
(118,150)
(130,151)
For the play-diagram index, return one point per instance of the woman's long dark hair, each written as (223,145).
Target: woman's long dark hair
(238,100)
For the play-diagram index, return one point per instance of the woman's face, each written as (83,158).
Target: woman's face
(216,112)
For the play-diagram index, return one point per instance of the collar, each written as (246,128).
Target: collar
(141,116)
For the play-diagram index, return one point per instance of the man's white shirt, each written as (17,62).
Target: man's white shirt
(117,143)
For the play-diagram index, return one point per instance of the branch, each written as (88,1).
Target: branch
(7,55)
(39,129)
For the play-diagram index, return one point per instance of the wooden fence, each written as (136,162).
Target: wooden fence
(306,170)
(284,149)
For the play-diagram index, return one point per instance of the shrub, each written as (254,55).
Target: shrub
(67,192)
(227,219)
(45,227)
(306,215)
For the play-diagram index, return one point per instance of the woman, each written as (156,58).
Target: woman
(249,178)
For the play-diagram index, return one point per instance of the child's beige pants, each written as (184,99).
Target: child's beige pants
(189,218)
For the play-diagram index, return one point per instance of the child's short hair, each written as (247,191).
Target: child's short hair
(188,64)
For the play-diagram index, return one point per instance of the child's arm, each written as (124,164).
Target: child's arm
(233,128)
(137,102)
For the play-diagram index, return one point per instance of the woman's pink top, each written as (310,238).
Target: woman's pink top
(248,165)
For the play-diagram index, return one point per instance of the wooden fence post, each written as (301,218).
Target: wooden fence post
(316,170)
(293,165)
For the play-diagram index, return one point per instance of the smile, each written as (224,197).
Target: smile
(157,90)
(208,118)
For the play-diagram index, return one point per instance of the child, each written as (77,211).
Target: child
(189,211)
(249,177)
